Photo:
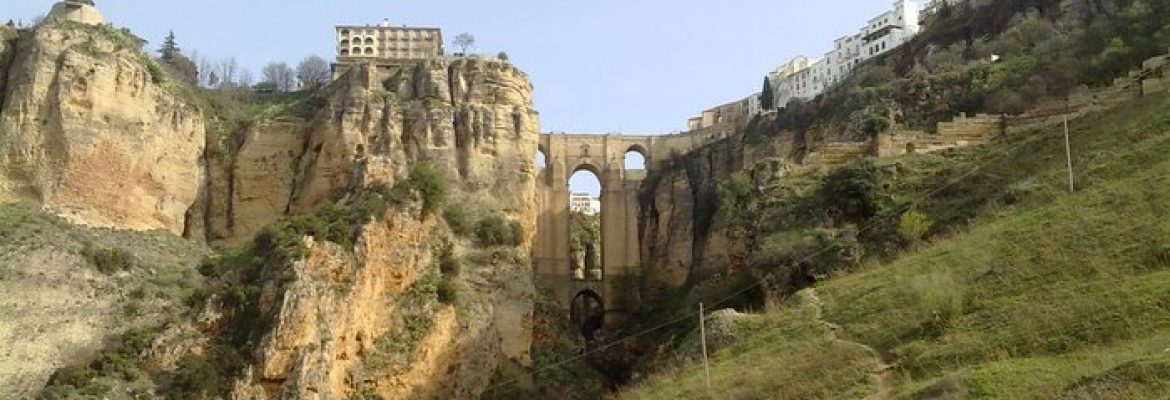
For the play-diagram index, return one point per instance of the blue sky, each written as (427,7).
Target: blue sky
(636,66)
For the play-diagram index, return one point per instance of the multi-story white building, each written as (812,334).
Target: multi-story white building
(584,203)
(804,78)
(790,80)
(385,41)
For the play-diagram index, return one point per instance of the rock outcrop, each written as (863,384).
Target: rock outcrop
(472,118)
(684,240)
(88,130)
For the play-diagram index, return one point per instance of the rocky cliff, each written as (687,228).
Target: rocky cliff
(89,130)
(349,321)
(473,118)
(683,234)
(94,130)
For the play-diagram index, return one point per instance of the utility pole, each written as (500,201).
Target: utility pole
(1068,150)
(703,340)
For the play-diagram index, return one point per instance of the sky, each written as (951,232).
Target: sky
(630,66)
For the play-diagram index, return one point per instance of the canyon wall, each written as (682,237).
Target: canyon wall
(681,231)
(94,130)
(471,118)
(89,130)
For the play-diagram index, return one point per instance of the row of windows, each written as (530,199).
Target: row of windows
(369,51)
(394,35)
(346,32)
(357,51)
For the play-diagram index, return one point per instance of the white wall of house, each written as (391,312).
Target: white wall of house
(804,78)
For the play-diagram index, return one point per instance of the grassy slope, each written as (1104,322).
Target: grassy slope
(1053,296)
(58,308)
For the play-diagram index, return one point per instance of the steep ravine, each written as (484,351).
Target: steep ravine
(93,130)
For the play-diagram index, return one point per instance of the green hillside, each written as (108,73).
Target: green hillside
(1028,293)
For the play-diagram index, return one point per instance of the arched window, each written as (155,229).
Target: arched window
(344,52)
(345,32)
(635,160)
(369,51)
(357,51)
(585,244)
(344,42)
(369,41)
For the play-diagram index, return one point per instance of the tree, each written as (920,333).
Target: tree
(170,48)
(464,41)
(280,75)
(176,63)
(314,72)
(766,96)
(228,72)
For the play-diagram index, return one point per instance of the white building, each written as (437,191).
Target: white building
(584,203)
(790,80)
(804,78)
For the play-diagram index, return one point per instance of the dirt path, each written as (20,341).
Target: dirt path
(883,371)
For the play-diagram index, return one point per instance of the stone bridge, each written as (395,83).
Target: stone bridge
(594,300)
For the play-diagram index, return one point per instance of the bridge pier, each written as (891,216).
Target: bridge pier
(604,155)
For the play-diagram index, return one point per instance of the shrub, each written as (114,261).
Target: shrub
(518,234)
(194,377)
(495,231)
(431,185)
(446,291)
(458,219)
(876,123)
(449,263)
(108,261)
(913,225)
(853,192)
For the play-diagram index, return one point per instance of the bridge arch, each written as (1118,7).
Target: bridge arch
(587,312)
(605,156)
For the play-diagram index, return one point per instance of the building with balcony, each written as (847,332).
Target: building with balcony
(384,41)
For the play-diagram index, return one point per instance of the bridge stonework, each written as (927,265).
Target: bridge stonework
(603,155)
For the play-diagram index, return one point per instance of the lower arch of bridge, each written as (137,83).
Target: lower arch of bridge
(587,311)
(604,156)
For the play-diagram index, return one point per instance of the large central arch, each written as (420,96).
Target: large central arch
(604,155)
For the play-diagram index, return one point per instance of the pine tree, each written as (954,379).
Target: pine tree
(170,48)
(766,96)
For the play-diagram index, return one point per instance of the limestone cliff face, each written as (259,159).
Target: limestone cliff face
(87,131)
(339,310)
(680,228)
(472,118)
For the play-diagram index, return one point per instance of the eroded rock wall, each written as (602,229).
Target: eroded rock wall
(471,118)
(89,131)
(681,231)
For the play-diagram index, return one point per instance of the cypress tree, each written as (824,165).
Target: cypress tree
(766,96)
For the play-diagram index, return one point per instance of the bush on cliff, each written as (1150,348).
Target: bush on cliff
(496,231)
